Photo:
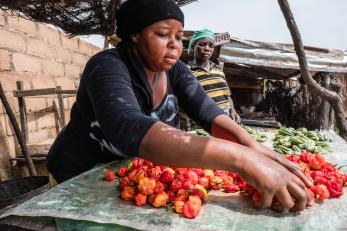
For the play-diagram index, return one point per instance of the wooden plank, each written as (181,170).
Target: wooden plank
(22,112)
(57,118)
(61,106)
(34,92)
(43,112)
(71,92)
(246,86)
(43,91)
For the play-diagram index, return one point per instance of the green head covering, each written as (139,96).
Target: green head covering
(205,33)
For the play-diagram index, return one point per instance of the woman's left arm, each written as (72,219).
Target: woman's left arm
(225,128)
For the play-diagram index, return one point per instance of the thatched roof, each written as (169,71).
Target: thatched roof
(73,17)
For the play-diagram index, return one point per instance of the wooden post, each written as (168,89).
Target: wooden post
(18,133)
(106,42)
(325,120)
(22,112)
(56,118)
(61,106)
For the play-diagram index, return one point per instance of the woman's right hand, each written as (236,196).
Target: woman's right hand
(274,180)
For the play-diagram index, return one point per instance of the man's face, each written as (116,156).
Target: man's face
(203,49)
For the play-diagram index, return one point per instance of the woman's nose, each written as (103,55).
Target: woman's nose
(173,43)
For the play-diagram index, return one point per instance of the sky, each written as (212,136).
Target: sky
(322,23)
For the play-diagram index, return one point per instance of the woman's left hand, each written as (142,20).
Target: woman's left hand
(287,164)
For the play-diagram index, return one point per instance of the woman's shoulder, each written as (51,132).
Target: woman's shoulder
(109,55)
(107,63)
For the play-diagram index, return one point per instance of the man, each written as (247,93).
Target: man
(210,76)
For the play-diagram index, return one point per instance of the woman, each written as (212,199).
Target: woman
(127,106)
(211,77)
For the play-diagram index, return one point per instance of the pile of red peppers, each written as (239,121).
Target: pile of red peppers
(186,189)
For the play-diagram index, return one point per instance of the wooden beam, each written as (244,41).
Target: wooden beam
(44,91)
(61,106)
(22,112)
(246,86)
(42,112)
(57,118)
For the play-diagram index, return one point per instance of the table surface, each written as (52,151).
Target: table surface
(46,223)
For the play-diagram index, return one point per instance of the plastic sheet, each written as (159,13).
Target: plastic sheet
(89,198)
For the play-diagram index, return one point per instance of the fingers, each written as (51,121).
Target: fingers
(238,118)
(300,196)
(266,200)
(296,170)
(286,201)
(232,116)
(295,198)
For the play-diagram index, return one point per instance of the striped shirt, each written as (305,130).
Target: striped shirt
(214,84)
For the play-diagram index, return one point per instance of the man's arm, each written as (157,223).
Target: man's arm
(233,113)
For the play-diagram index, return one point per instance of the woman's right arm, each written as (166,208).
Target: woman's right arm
(169,146)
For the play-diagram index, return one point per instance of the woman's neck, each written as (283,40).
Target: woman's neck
(151,76)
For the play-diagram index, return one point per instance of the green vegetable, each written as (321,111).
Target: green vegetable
(289,141)
(256,134)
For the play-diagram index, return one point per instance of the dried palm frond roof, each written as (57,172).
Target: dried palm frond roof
(73,17)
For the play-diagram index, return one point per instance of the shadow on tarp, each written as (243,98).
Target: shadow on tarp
(247,205)
(74,225)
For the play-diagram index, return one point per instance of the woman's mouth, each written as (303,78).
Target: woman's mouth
(170,59)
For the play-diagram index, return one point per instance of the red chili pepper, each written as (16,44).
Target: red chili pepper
(140,199)
(321,192)
(124,181)
(122,172)
(335,188)
(316,161)
(321,180)
(231,188)
(175,185)
(304,156)
(148,163)
(256,198)
(109,175)
(316,174)
(191,208)
(293,158)
(137,163)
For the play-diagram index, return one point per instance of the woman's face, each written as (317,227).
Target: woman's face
(203,49)
(159,45)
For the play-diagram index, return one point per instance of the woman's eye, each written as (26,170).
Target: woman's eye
(179,37)
(162,34)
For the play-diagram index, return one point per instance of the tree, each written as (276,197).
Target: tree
(333,98)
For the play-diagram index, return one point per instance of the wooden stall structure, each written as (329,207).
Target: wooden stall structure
(24,117)
(257,71)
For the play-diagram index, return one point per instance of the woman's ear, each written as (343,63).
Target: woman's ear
(135,38)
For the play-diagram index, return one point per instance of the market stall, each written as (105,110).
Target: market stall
(89,201)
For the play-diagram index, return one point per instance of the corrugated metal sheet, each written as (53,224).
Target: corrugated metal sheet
(281,56)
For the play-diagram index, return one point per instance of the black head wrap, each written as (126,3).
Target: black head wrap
(135,15)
